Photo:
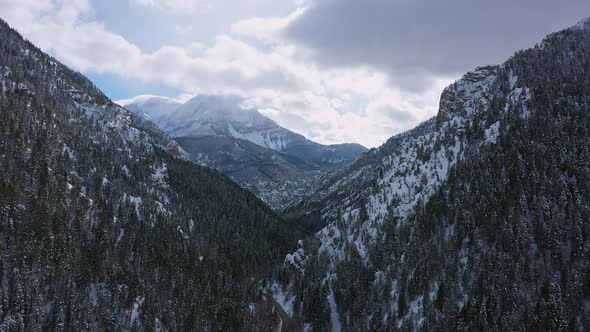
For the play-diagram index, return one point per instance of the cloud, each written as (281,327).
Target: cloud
(267,28)
(414,41)
(186,7)
(183,29)
(57,27)
(335,71)
(144,98)
(330,106)
(394,113)
(227,65)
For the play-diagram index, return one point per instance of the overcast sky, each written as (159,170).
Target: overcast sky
(333,70)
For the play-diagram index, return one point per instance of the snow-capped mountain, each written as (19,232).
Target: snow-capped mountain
(106,224)
(275,163)
(223,116)
(478,219)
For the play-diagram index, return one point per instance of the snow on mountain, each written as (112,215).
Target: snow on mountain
(277,164)
(426,230)
(213,115)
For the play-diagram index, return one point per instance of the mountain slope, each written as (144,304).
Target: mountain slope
(275,163)
(478,219)
(107,225)
(274,177)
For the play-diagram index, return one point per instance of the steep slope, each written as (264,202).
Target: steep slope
(274,177)
(476,220)
(223,116)
(106,224)
(275,163)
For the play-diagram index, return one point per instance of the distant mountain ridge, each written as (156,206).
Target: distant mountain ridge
(275,163)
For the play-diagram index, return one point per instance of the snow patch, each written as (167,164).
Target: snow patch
(296,259)
(335,324)
(68,151)
(159,175)
(137,201)
(136,308)
(492,133)
(284,299)
(513,78)
(261,137)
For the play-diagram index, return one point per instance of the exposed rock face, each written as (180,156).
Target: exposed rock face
(468,95)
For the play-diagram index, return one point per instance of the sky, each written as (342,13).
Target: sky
(333,70)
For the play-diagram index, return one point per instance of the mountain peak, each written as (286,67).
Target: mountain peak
(154,108)
(223,133)
(225,111)
(208,115)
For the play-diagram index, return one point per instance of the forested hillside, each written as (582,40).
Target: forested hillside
(106,225)
(477,220)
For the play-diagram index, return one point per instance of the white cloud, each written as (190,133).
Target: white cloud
(183,29)
(174,6)
(331,106)
(57,26)
(144,98)
(268,29)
